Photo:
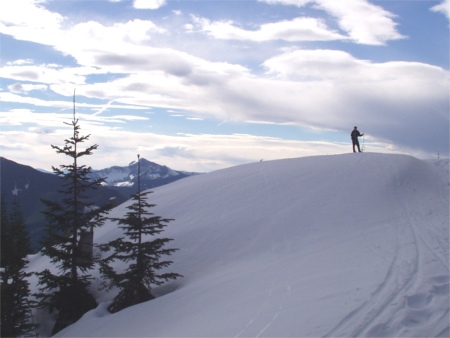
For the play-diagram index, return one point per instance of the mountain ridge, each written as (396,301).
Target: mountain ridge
(148,169)
(27,185)
(124,178)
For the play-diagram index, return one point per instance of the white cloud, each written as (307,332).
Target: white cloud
(298,3)
(298,29)
(56,120)
(365,23)
(48,74)
(443,7)
(104,108)
(52,29)
(10,97)
(18,88)
(14,98)
(148,4)
(20,62)
(41,130)
(342,67)
(131,32)
(314,65)
(28,20)
(28,14)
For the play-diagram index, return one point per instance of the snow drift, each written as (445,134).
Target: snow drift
(345,245)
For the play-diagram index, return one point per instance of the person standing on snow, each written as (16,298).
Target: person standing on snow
(355,134)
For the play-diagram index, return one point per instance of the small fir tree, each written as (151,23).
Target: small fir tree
(69,220)
(142,249)
(16,319)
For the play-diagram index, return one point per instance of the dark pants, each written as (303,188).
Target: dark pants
(355,143)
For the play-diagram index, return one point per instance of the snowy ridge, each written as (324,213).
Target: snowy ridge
(345,245)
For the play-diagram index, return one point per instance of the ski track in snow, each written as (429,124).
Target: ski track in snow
(267,176)
(399,295)
(399,277)
(261,309)
(403,299)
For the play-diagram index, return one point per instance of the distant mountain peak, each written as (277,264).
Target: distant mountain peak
(152,175)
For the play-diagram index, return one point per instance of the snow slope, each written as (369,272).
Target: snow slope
(345,245)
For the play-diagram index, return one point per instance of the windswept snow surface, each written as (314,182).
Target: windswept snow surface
(344,246)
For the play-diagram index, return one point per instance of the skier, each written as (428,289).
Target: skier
(355,134)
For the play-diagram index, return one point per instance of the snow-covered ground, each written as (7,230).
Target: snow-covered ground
(346,245)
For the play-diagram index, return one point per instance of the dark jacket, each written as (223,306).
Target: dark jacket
(355,134)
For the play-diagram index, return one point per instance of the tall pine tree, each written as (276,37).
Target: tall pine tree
(142,249)
(16,317)
(70,220)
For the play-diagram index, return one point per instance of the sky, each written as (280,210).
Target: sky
(201,85)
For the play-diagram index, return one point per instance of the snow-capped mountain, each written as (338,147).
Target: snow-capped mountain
(152,175)
(353,245)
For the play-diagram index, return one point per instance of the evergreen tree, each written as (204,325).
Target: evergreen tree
(142,249)
(15,244)
(69,220)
